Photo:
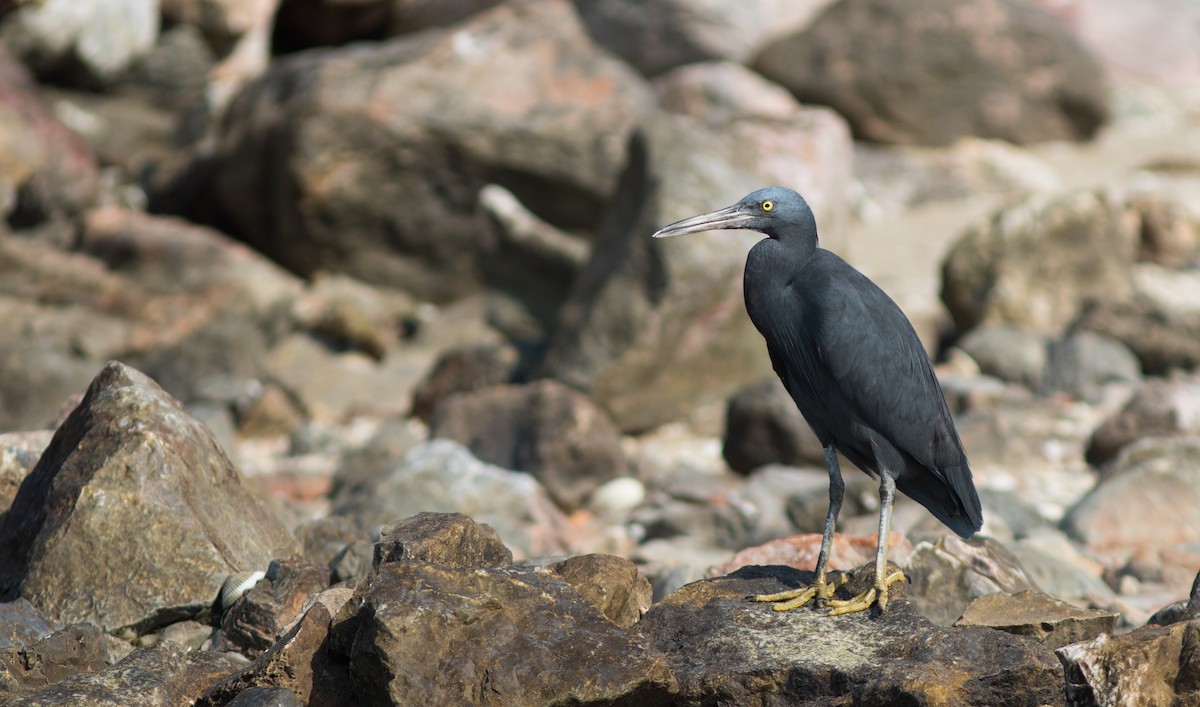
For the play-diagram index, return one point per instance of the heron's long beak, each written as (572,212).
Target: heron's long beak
(729,217)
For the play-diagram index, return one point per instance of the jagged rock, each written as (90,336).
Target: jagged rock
(1008,353)
(728,650)
(764,426)
(417,633)
(80,648)
(946,576)
(255,621)
(443,476)
(611,584)
(1084,363)
(1033,265)
(933,71)
(443,539)
(463,370)
(1040,616)
(128,459)
(1158,665)
(353,562)
(544,428)
(159,674)
(1159,408)
(1150,499)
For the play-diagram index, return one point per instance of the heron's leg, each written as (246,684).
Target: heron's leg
(878,593)
(820,588)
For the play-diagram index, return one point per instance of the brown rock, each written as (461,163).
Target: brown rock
(443,539)
(545,428)
(764,426)
(133,516)
(81,648)
(612,584)
(22,623)
(1147,666)
(1162,340)
(423,634)
(260,615)
(725,649)
(1052,622)
(463,370)
(324,538)
(933,71)
(945,577)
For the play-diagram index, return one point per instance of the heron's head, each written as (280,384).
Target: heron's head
(774,211)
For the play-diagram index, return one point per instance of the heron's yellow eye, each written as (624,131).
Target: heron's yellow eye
(768,205)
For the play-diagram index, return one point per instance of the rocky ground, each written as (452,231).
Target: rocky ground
(337,366)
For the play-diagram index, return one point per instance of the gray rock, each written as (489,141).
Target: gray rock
(544,428)
(461,371)
(931,72)
(160,674)
(1034,265)
(728,650)
(1159,408)
(945,577)
(1008,353)
(1085,364)
(1164,671)
(1059,568)
(443,539)
(23,623)
(1052,622)
(322,539)
(1163,340)
(417,633)
(443,476)
(130,458)
(763,426)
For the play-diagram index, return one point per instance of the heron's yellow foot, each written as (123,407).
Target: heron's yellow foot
(790,599)
(875,595)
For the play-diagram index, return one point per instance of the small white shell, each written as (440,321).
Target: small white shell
(236,585)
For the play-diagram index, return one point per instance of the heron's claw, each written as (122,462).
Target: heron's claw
(877,594)
(820,589)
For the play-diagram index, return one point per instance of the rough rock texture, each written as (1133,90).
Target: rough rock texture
(1035,264)
(22,623)
(1157,478)
(256,620)
(764,426)
(1148,666)
(656,36)
(947,576)
(19,452)
(653,329)
(933,71)
(610,583)
(1159,408)
(727,650)
(420,634)
(371,173)
(443,476)
(81,648)
(545,428)
(131,459)
(160,674)
(1052,622)
(443,539)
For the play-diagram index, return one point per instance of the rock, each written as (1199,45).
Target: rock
(463,370)
(764,426)
(611,584)
(1159,408)
(1059,568)
(1009,353)
(353,563)
(159,674)
(77,649)
(1035,264)
(536,109)
(1149,499)
(19,452)
(1185,610)
(308,23)
(657,36)
(443,476)
(725,649)
(1152,665)
(22,623)
(322,539)
(1042,617)
(932,72)
(47,171)
(128,458)
(617,497)
(1085,364)
(544,428)
(800,552)
(443,539)
(266,697)
(353,316)
(654,329)
(1163,340)
(417,633)
(257,619)
(946,576)
(299,662)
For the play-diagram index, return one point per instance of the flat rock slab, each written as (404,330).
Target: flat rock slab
(725,649)
(1052,622)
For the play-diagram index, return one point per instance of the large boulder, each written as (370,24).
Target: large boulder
(654,328)
(370,159)
(932,71)
(133,517)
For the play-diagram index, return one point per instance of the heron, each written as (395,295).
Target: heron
(857,371)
